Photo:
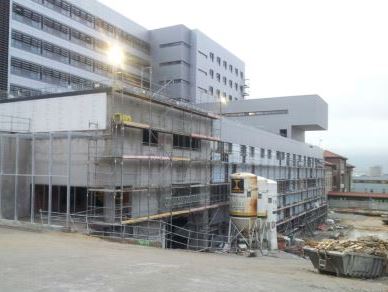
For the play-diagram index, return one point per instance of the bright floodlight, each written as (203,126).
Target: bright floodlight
(115,55)
(223,99)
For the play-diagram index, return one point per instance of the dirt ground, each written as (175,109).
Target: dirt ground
(363,225)
(31,261)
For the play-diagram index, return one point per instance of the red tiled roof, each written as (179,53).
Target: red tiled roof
(329,154)
(358,195)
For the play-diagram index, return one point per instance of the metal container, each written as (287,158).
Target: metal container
(243,201)
(347,264)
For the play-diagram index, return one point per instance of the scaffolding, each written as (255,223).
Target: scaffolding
(145,174)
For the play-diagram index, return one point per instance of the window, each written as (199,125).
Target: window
(224,94)
(178,62)
(236,86)
(230,83)
(26,42)
(211,90)
(102,68)
(101,46)
(27,16)
(82,16)
(105,27)
(56,53)
(25,69)
(218,77)
(55,77)
(218,93)
(211,73)
(153,140)
(283,132)
(269,154)
(230,97)
(55,28)
(174,44)
(262,152)
(81,61)
(219,61)
(242,75)
(203,71)
(182,141)
(211,55)
(231,68)
(23,91)
(81,38)
(202,54)
(224,80)
(236,71)
(251,151)
(225,64)
(243,150)
(59,6)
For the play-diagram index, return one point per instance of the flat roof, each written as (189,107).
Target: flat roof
(169,103)
(358,195)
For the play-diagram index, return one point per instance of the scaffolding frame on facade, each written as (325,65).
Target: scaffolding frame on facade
(217,157)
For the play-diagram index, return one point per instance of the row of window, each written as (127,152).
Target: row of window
(89,20)
(151,138)
(297,160)
(178,62)
(40,47)
(225,81)
(27,16)
(48,75)
(225,65)
(217,93)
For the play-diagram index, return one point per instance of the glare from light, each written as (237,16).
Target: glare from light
(223,99)
(115,55)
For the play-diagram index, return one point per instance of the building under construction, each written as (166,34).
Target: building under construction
(133,164)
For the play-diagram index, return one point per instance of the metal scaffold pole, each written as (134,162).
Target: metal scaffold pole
(16,215)
(50,178)
(32,179)
(68,185)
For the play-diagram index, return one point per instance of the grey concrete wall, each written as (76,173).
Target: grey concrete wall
(368,204)
(300,113)
(194,48)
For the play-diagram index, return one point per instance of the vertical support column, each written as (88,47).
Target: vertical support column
(16,180)
(50,179)
(32,213)
(1,172)
(68,179)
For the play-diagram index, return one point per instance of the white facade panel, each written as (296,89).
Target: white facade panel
(69,113)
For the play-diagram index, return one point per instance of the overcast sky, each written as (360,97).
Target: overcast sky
(337,49)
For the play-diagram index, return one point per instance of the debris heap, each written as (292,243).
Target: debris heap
(366,245)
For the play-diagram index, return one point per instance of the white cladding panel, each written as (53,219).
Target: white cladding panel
(69,113)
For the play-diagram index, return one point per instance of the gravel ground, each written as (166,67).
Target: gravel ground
(363,225)
(32,261)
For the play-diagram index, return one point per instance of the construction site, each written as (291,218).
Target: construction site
(129,163)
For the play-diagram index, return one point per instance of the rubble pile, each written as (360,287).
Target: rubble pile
(366,245)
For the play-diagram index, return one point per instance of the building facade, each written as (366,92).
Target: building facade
(288,116)
(198,68)
(55,46)
(61,45)
(341,170)
(163,161)
(370,184)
